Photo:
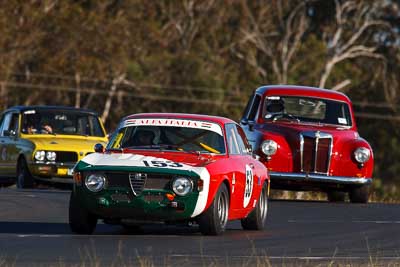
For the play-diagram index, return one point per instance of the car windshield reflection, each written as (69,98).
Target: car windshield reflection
(168,138)
(307,109)
(61,122)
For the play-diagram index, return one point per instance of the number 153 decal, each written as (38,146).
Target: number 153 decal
(162,164)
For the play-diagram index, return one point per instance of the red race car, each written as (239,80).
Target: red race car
(171,168)
(307,138)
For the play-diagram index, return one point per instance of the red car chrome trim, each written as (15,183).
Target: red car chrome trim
(318,178)
(320,158)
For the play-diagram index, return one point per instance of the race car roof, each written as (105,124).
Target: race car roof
(199,117)
(295,90)
(24,108)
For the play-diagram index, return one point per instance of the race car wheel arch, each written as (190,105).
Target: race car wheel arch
(213,190)
(81,221)
(213,220)
(24,177)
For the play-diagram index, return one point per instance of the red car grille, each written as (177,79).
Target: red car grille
(315,149)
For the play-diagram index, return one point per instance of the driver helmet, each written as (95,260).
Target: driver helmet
(152,131)
(275,106)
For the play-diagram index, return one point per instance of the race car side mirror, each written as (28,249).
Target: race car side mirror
(99,148)
(251,125)
(255,156)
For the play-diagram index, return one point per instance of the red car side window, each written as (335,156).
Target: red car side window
(231,137)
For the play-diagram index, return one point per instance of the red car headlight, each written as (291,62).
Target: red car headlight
(269,147)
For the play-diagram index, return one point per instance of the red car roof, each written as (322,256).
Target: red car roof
(302,91)
(215,119)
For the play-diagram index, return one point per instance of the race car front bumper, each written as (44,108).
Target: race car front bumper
(311,181)
(52,172)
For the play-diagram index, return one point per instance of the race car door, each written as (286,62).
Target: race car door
(8,136)
(243,176)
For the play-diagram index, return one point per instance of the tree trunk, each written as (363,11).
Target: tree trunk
(78,90)
(3,95)
(110,96)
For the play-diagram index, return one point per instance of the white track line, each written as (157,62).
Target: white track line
(342,221)
(284,257)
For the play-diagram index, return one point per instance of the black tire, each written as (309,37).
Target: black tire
(359,194)
(213,220)
(257,217)
(24,177)
(80,220)
(336,196)
(132,228)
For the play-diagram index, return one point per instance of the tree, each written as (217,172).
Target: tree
(356,26)
(275,31)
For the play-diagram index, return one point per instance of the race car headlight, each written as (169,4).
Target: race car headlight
(40,155)
(51,156)
(269,147)
(182,186)
(95,182)
(362,154)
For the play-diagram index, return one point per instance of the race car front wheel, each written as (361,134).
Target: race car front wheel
(24,177)
(80,220)
(213,220)
(359,194)
(257,217)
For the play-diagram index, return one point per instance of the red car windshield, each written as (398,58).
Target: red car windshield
(168,138)
(307,109)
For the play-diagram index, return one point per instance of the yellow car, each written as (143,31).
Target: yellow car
(45,142)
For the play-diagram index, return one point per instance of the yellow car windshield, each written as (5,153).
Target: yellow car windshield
(67,122)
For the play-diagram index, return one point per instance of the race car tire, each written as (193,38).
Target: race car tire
(257,217)
(336,196)
(213,220)
(24,177)
(80,220)
(132,228)
(359,194)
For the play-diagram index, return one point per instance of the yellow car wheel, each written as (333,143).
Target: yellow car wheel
(24,177)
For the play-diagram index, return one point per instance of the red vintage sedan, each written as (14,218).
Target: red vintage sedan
(171,168)
(307,138)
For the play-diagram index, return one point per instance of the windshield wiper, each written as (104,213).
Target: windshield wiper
(159,146)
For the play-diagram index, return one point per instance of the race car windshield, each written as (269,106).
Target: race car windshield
(61,122)
(168,138)
(307,109)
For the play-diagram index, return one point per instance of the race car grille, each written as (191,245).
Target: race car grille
(65,156)
(315,150)
(138,181)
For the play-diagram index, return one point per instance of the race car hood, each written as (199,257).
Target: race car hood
(190,159)
(65,143)
(291,132)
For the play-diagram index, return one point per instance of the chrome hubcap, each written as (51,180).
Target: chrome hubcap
(263,202)
(223,209)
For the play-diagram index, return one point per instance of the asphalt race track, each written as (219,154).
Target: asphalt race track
(34,231)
